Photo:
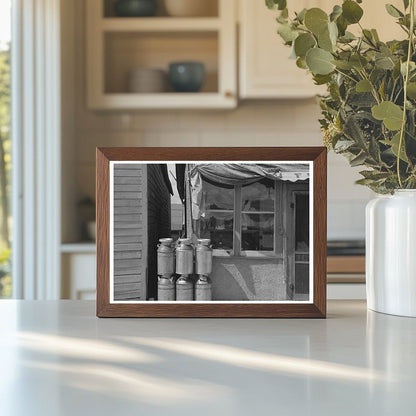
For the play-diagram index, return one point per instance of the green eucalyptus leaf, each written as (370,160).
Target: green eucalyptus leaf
(321,79)
(301,15)
(406,4)
(342,25)
(382,89)
(344,65)
(405,21)
(374,150)
(363,86)
(320,61)
(377,75)
(384,62)
(393,11)
(368,36)
(358,61)
(412,68)
(336,12)
(374,174)
(316,20)
(325,42)
(375,35)
(281,19)
(351,11)
(411,90)
(347,37)
(358,160)
(276,4)
(301,63)
(343,145)
(388,112)
(287,33)
(303,43)
(333,32)
(394,146)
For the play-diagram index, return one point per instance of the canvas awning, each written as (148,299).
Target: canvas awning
(240,174)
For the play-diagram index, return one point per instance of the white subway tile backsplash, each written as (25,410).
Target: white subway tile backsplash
(146,120)
(346,219)
(202,120)
(170,138)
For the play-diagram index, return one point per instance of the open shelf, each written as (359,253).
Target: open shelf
(80,247)
(160,24)
(119,45)
(167,100)
(127,51)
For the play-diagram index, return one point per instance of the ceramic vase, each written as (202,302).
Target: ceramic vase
(391,253)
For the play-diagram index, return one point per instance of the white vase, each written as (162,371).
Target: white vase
(391,253)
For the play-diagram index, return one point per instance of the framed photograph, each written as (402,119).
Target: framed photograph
(211,232)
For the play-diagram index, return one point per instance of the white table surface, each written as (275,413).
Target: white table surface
(57,358)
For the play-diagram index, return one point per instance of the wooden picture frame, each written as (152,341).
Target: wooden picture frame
(314,157)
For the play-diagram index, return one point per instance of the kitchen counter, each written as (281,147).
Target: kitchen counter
(57,358)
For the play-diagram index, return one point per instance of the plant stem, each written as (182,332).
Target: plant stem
(406,80)
(346,75)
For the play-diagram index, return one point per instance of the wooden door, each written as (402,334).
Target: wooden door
(298,237)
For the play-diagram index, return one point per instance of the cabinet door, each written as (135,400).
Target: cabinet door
(265,68)
(78,276)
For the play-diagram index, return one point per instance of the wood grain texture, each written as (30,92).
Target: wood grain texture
(212,310)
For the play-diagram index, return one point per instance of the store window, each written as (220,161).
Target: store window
(239,219)
(217,222)
(257,216)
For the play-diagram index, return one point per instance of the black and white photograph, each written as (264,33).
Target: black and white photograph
(211,232)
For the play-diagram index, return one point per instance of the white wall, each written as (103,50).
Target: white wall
(256,123)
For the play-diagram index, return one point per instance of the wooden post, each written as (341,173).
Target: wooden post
(188,204)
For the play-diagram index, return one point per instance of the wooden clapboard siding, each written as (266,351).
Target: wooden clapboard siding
(130,213)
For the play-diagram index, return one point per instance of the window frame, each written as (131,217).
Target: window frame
(277,252)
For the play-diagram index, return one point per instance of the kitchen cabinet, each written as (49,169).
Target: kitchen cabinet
(265,69)
(118,45)
(78,262)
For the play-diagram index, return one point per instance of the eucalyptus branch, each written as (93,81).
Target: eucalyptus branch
(346,75)
(406,80)
(373,88)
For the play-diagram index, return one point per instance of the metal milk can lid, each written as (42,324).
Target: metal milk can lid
(166,241)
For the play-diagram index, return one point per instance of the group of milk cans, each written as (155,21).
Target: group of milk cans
(175,269)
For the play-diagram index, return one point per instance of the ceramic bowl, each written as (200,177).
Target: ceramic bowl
(147,80)
(135,8)
(191,8)
(186,76)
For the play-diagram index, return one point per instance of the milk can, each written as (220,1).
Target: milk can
(184,267)
(203,289)
(165,270)
(165,257)
(184,257)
